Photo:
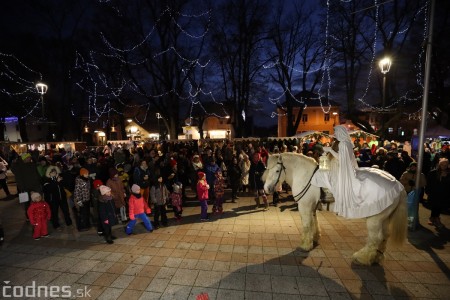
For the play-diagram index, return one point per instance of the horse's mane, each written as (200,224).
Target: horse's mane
(294,154)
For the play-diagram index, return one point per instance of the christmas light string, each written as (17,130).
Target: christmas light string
(369,78)
(327,68)
(117,53)
(327,58)
(31,99)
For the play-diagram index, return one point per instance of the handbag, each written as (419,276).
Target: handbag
(23,197)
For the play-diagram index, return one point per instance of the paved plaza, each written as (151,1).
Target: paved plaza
(243,254)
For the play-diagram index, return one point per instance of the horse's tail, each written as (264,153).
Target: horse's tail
(399,221)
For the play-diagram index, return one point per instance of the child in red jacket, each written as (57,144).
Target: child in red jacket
(38,214)
(137,209)
(202,192)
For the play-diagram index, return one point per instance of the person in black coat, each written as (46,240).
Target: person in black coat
(55,196)
(438,191)
(257,169)
(394,165)
(234,176)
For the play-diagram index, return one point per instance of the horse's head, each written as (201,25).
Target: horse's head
(274,174)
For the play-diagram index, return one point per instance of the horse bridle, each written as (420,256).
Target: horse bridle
(307,186)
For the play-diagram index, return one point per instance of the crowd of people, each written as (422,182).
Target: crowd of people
(113,184)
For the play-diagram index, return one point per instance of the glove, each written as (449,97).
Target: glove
(411,182)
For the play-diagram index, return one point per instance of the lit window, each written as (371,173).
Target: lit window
(305,118)
(327,117)
(390,130)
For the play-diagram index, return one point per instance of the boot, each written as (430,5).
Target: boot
(257,202)
(109,239)
(266,203)
(437,222)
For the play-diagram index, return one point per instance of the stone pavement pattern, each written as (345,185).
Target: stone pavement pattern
(245,254)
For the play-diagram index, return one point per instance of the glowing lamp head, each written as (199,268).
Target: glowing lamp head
(385,65)
(41,88)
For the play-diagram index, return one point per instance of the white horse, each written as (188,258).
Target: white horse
(297,170)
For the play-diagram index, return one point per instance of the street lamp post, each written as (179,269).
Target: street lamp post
(42,89)
(158,116)
(385,66)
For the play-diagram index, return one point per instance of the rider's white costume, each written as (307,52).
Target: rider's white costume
(358,192)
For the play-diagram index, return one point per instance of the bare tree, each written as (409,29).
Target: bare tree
(159,45)
(238,42)
(351,37)
(47,33)
(298,58)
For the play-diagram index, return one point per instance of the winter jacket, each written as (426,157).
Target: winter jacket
(176,199)
(202,190)
(27,176)
(210,171)
(117,191)
(219,187)
(82,192)
(159,194)
(38,212)
(255,174)
(107,210)
(438,189)
(234,175)
(137,206)
(54,191)
(138,177)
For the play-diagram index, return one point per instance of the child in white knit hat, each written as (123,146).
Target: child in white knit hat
(107,212)
(38,214)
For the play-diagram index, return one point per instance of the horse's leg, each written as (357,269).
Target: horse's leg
(306,242)
(316,230)
(382,246)
(306,208)
(367,254)
(377,230)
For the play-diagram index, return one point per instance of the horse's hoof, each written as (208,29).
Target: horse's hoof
(302,250)
(361,262)
(306,249)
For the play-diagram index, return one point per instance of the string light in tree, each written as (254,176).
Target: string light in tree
(102,91)
(15,73)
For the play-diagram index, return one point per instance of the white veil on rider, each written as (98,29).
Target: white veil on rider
(346,174)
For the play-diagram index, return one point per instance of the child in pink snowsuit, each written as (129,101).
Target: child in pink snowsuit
(39,214)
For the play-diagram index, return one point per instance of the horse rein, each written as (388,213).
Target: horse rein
(307,186)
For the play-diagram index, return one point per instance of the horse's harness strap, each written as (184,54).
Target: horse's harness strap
(306,188)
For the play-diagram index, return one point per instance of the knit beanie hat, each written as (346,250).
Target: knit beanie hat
(84,171)
(97,183)
(136,189)
(35,197)
(104,189)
